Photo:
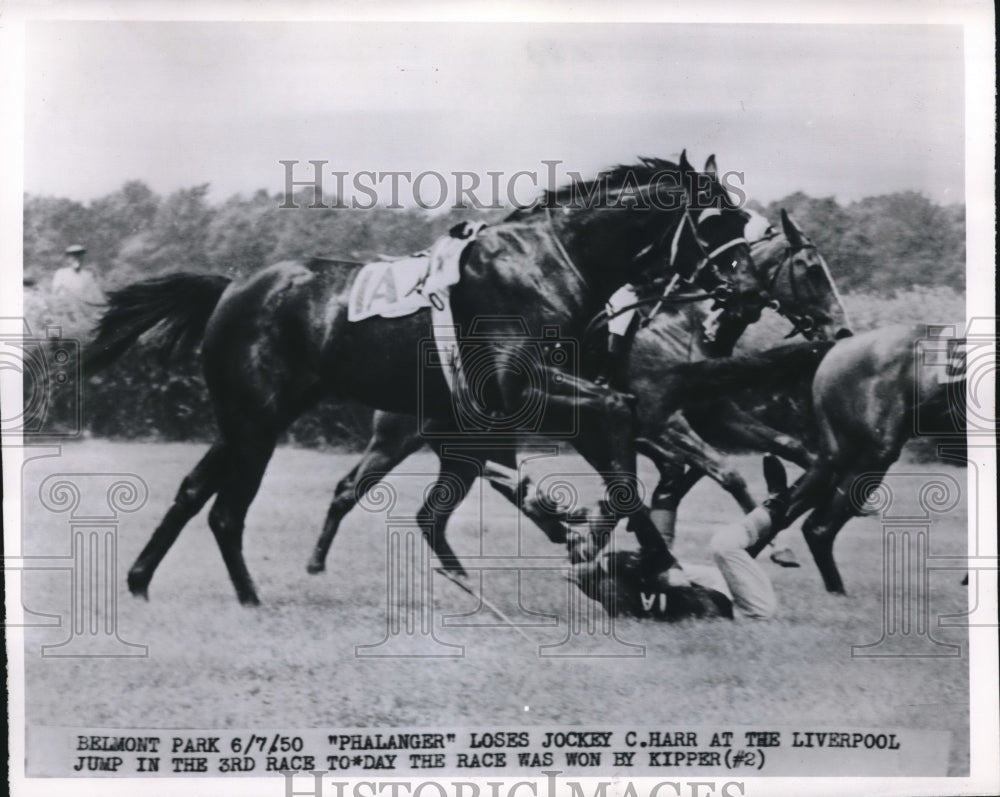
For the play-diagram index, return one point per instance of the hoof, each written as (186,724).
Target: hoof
(556,532)
(785,558)
(774,474)
(581,549)
(453,570)
(249,600)
(314,566)
(138,585)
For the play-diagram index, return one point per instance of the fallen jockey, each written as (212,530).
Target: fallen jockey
(666,499)
(735,586)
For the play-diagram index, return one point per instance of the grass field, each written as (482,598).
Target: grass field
(291,663)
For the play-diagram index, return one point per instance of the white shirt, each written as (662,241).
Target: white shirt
(80,285)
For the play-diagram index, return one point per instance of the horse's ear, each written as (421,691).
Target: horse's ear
(794,235)
(711,169)
(685,164)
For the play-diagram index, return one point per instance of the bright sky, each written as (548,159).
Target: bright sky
(848,111)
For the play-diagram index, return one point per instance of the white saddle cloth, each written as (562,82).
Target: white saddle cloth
(396,287)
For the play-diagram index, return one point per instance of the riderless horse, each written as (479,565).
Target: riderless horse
(275,343)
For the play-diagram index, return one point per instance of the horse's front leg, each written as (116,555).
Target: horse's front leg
(822,526)
(679,434)
(500,469)
(394,438)
(607,441)
(743,430)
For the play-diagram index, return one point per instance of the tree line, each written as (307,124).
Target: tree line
(893,256)
(882,244)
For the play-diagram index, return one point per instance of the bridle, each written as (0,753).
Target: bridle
(721,293)
(723,290)
(708,258)
(801,322)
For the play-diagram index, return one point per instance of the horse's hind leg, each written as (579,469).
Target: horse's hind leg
(440,501)
(384,452)
(344,499)
(198,486)
(249,455)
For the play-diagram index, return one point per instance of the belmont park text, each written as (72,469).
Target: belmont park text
(313,185)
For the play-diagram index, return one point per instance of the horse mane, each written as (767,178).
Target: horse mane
(640,173)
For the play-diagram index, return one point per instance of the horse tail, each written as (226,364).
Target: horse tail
(178,305)
(688,384)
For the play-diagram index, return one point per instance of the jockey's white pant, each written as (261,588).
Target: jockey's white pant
(751,589)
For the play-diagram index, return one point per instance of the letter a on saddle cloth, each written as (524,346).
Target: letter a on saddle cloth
(396,287)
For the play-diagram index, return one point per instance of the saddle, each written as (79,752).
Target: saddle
(398,286)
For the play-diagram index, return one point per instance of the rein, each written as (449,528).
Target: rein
(708,258)
(603,316)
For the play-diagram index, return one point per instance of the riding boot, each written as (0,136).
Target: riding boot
(776,506)
(663,511)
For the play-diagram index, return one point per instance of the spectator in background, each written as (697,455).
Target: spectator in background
(76,282)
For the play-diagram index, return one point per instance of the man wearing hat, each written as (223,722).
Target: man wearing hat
(75,281)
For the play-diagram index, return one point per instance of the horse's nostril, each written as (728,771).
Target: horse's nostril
(842,333)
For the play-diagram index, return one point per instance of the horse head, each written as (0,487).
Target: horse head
(796,279)
(709,247)
(651,219)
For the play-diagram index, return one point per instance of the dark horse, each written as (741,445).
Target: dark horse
(274,344)
(867,397)
(795,277)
